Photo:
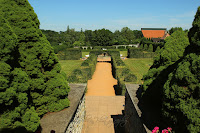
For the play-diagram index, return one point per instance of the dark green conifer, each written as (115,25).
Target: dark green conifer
(173,80)
(150,49)
(182,90)
(33,85)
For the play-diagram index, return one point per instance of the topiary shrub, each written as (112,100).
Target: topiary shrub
(96,52)
(135,53)
(130,78)
(85,72)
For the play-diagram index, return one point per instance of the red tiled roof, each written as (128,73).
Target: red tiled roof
(153,33)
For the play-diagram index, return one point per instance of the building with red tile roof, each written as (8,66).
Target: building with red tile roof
(155,33)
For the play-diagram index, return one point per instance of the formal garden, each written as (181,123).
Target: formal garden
(37,67)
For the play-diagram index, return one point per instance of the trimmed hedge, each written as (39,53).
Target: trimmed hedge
(96,52)
(70,54)
(138,53)
(120,72)
(106,47)
(85,72)
(113,52)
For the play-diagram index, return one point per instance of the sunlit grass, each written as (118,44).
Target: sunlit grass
(85,53)
(139,66)
(124,53)
(69,65)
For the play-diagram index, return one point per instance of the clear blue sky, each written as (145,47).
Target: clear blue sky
(114,14)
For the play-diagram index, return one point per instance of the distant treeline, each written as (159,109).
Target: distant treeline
(101,37)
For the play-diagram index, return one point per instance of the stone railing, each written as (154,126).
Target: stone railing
(133,122)
(77,122)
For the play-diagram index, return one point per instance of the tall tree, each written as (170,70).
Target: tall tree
(102,37)
(173,80)
(181,102)
(128,34)
(164,63)
(173,29)
(36,85)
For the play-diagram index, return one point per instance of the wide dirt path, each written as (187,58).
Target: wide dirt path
(102,81)
(102,106)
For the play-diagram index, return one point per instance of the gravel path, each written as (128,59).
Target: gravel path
(103,107)
(102,81)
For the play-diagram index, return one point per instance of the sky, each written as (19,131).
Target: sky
(114,14)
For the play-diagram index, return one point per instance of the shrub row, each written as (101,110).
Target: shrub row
(70,54)
(85,72)
(106,47)
(96,52)
(138,53)
(120,72)
(151,46)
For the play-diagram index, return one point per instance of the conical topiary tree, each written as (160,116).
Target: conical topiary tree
(182,90)
(13,84)
(157,49)
(33,85)
(145,47)
(150,49)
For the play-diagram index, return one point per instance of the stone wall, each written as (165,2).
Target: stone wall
(77,122)
(69,118)
(133,122)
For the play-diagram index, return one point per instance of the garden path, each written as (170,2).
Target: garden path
(102,106)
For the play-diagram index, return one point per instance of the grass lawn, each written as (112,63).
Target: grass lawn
(69,65)
(139,66)
(85,53)
(124,53)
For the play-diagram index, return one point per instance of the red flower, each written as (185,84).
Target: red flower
(165,131)
(169,129)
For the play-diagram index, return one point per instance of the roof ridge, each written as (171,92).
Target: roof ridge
(153,28)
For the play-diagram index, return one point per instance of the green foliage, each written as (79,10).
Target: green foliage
(70,54)
(150,49)
(145,46)
(173,50)
(157,49)
(173,80)
(96,52)
(31,119)
(120,72)
(113,53)
(139,66)
(102,37)
(85,72)
(134,52)
(173,29)
(194,34)
(30,78)
(69,65)
(130,78)
(138,53)
(8,41)
(58,48)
